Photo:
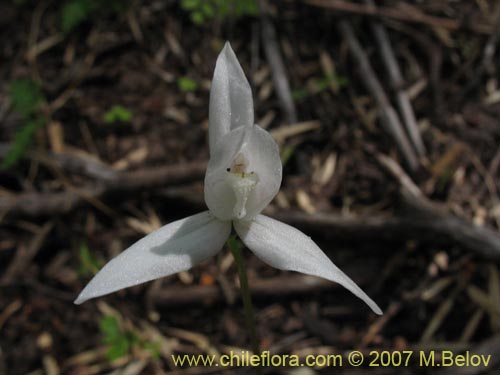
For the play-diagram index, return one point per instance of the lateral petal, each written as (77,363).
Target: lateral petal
(231,102)
(175,247)
(286,248)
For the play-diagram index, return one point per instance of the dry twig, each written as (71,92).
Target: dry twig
(42,204)
(276,286)
(272,50)
(24,256)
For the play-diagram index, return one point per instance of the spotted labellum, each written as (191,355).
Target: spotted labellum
(243,176)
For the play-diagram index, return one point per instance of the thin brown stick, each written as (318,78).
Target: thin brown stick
(398,15)
(25,255)
(42,204)
(69,162)
(263,288)
(441,223)
(389,117)
(397,82)
(278,71)
(418,223)
(420,219)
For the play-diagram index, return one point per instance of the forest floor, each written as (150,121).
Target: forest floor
(103,139)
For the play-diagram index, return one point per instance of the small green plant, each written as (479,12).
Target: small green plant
(318,85)
(201,11)
(120,342)
(186,84)
(287,153)
(76,12)
(26,98)
(89,264)
(118,113)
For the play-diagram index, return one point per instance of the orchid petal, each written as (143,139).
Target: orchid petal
(231,102)
(286,248)
(175,247)
(263,166)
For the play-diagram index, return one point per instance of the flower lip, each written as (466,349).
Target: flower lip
(242,183)
(232,191)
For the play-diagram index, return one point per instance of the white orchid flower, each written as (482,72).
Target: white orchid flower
(243,176)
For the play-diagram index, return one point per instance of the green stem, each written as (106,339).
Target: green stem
(235,248)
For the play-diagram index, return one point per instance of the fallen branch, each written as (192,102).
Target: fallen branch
(445,229)
(42,204)
(420,219)
(263,288)
(24,255)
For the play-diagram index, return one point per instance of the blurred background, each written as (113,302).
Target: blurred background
(387,117)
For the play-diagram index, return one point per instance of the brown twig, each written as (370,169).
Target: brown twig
(397,82)
(417,223)
(389,117)
(276,286)
(42,204)
(272,50)
(70,162)
(25,255)
(440,222)
(398,15)
(419,219)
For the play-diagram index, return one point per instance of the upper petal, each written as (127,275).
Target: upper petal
(175,247)
(287,248)
(231,102)
(260,152)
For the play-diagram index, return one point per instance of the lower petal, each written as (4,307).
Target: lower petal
(286,248)
(175,247)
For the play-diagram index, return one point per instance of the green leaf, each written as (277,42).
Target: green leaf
(118,113)
(299,94)
(75,12)
(190,4)
(110,329)
(120,341)
(208,10)
(25,96)
(118,349)
(287,153)
(223,8)
(21,141)
(152,347)
(246,8)
(205,10)
(197,17)
(116,6)
(89,265)
(187,84)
